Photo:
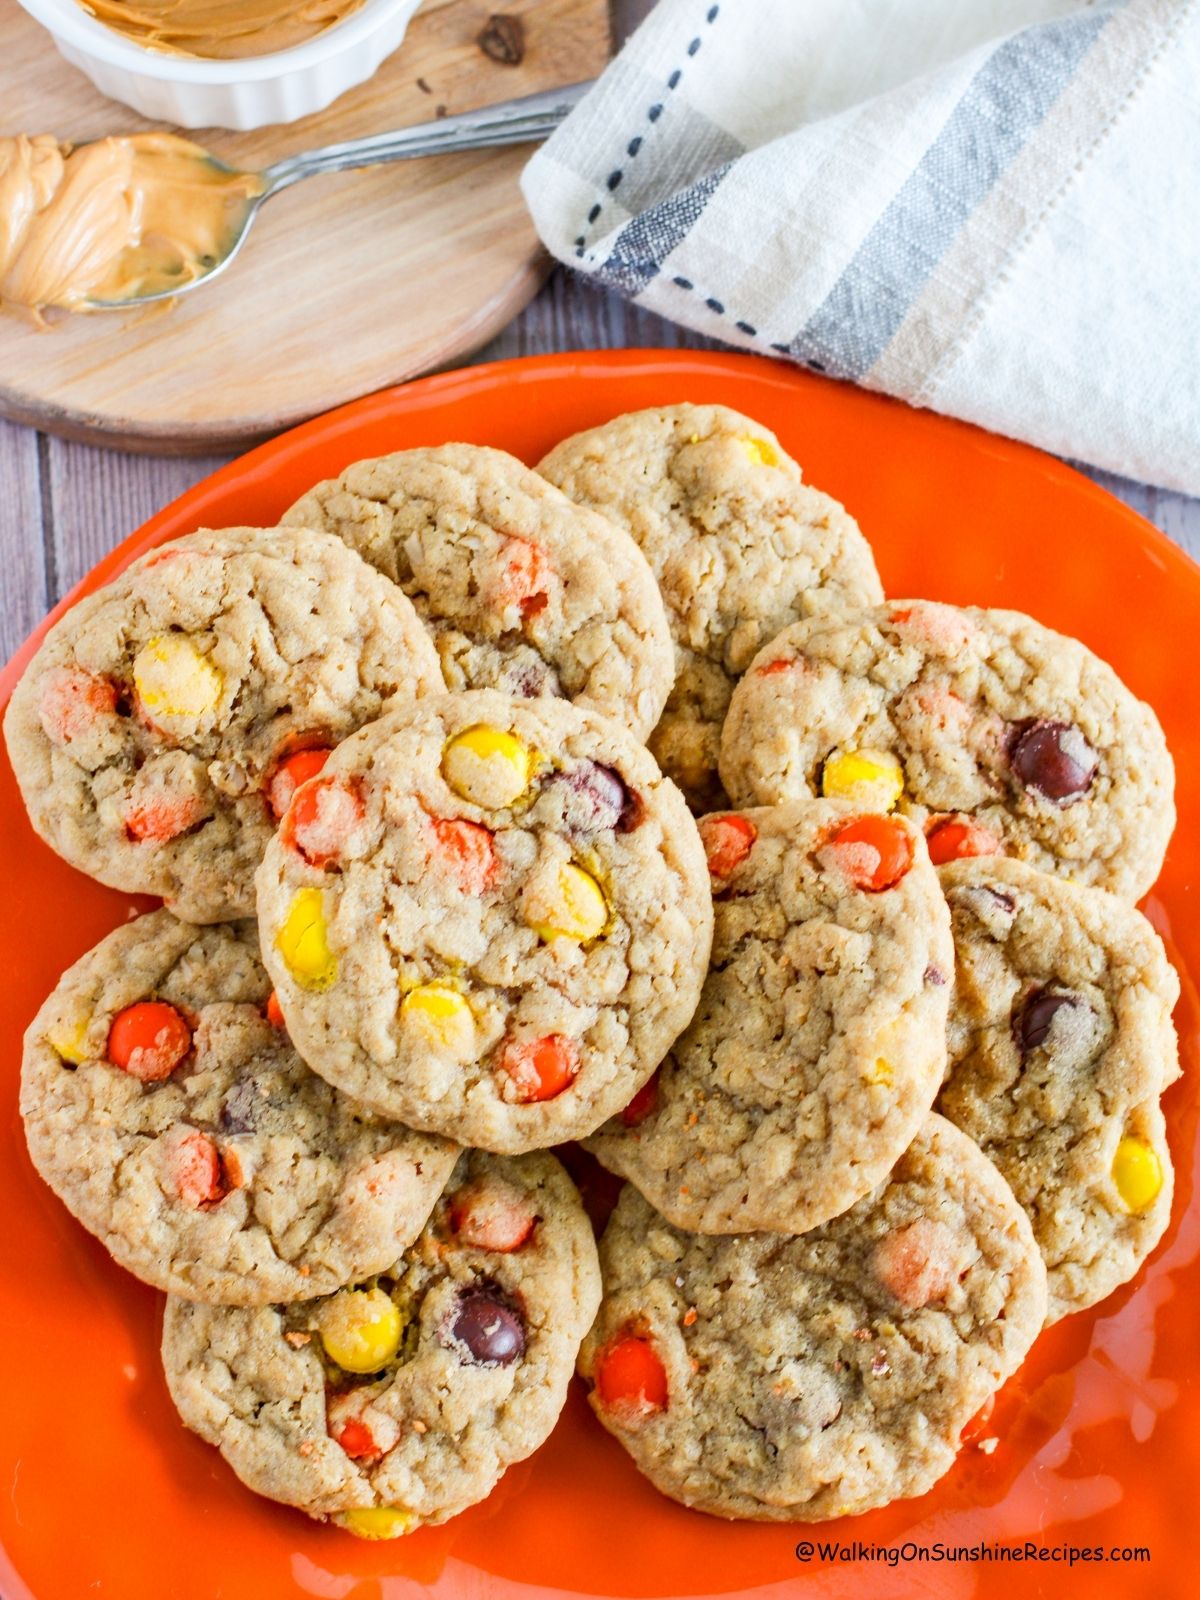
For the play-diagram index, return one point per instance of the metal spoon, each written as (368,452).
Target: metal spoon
(522,121)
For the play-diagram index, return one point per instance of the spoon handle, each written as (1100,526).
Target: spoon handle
(512,122)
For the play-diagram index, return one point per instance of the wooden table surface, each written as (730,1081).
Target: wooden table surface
(63,506)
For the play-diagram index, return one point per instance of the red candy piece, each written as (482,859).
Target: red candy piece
(524,578)
(874,851)
(977,1428)
(728,840)
(196,1170)
(357,1440)
(631,1378)
(290,773)
(958,837)
(275,1011)
(321,818)
(643,1103)
(491,1216)
(468,852)
(539,1068)
(161,817)
(72,701)
(148,1040)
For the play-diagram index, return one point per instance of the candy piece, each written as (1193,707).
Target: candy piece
(933,624)
(290,773)
(174,678)
(770,668)
(728,840)
(631,1379)
(195,1168)
(320,819)
(916,1264)
(363,1432)
(1138,1174)
(72,701)
(491,1331)
(357,1440)
(874,852)
(442,1019)
(487,766)
(275,1011)
(468,851)
(361,1329)
(957,837)
(148,1040)
(161,816)
(376,1522)
(1055,760)
(761,452)
(1037,1016)
(241,1107)
(867,777)
(67,1042)
(977,1427)
(879,1073)
(523,578)
(539,1068)
(644,1102)
(491,1215)
(303,942)
(573,907)
(604,802)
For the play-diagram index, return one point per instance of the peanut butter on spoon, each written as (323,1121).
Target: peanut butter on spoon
(220,29)
(112,220)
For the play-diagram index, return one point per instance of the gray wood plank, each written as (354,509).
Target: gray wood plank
(24,593)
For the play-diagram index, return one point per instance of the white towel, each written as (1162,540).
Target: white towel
(989,207)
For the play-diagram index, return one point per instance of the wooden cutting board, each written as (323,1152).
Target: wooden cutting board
(350,282)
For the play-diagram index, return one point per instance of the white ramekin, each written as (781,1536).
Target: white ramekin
(227,94)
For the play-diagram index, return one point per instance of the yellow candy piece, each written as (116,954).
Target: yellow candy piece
(760,451)
(487,766)
(870,778)
(577,909)
(361,1329)
(376,1522)
(303,942)
(441,1017)
(68,1042)
(174,679)
(880,1073)
(1138,1174)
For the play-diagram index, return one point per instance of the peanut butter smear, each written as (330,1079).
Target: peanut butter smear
(110,220)
(220,29)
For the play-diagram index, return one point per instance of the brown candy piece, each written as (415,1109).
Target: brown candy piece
(1036,1017)
(491,1331)
(1054,760)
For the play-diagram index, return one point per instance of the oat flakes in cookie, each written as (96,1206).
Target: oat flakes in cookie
(1061,1042)
(739,545)
(175,1121)
(819,1042)
(402,1400)
(158,732)
(998,735)
(488,917)
(798,1379)
(522,590)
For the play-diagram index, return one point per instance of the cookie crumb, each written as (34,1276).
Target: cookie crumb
(297,1340)
(305,1447)
(988,1445)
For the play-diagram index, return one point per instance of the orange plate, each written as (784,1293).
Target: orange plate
(102,1491)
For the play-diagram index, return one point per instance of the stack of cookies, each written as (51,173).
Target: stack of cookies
(433,780)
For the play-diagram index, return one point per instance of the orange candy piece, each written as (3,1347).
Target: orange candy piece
(630,1376)
(468,851)
(160,818)
(770,668)
(643,1103)
(540,1069)
(321,818)
(275,1011)
(72,700)
(491,1216)
(196,1170)
(524,577)
(149,1040)
(290,773)
(956,837)
(728,839)
(874,851)
(357,1440)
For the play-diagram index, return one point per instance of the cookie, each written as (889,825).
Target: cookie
(797,1379)
(998,735)
(176,1122)
(1061,1043)
(488,917)
(819,1042)
(401,1401)
(159,730)
(739,545)
(522,590)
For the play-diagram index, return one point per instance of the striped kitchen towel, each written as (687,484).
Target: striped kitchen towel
(989,207)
